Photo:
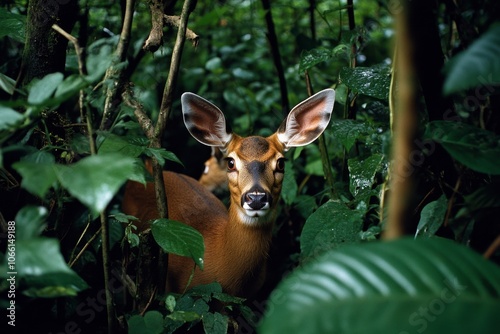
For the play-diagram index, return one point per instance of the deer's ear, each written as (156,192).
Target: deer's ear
(307,120)
(204,121)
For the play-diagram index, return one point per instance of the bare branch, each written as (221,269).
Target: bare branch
(115,73)
(155,38)
(175,21)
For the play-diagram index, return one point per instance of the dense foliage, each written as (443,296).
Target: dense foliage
(328,271)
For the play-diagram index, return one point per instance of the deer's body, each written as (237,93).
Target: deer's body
(236,240)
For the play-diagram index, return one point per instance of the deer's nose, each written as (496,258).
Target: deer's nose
(256,199)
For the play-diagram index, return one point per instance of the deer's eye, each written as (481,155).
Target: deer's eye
(231,165)
(280,165)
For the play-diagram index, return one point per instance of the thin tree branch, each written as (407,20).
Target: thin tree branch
(166,107)
(115,73)
(175,21)
(275,52)
(492,248)
(155,38)
(143,119)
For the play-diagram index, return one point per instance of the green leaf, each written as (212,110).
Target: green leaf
(12,25)
(40,265)
(348,131)
(330,227)
(403,286)
(7,84)
(37,177)
(477,65)
(371,81)
(313,57)
(100,54)
(432,217)
(127,146)
(215,323)
(30,222)
(70,86)
(473,147)
(9,118)
(94,180)
(43,89)
(151,323)
(170,303)
(184,316)
(362,173)
(178,238)
(161,155)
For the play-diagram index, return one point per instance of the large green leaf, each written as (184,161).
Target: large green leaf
(178,238)
(371,81)
(43,89)
(42,268)
(404,286)
(329,227)
(95,180)
(477,65)
(37,177)
(476,148)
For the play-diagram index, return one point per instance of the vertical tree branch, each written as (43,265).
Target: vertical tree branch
(275,52)
(312,21)
(115,74)
(405,122)
(166,106)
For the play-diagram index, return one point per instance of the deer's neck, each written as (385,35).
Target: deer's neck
(247,242)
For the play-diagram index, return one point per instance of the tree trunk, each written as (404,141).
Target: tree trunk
(45,49)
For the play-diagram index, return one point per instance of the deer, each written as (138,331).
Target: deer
(237,239)
(214,176)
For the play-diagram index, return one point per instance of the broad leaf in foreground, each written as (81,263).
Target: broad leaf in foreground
(404,286)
